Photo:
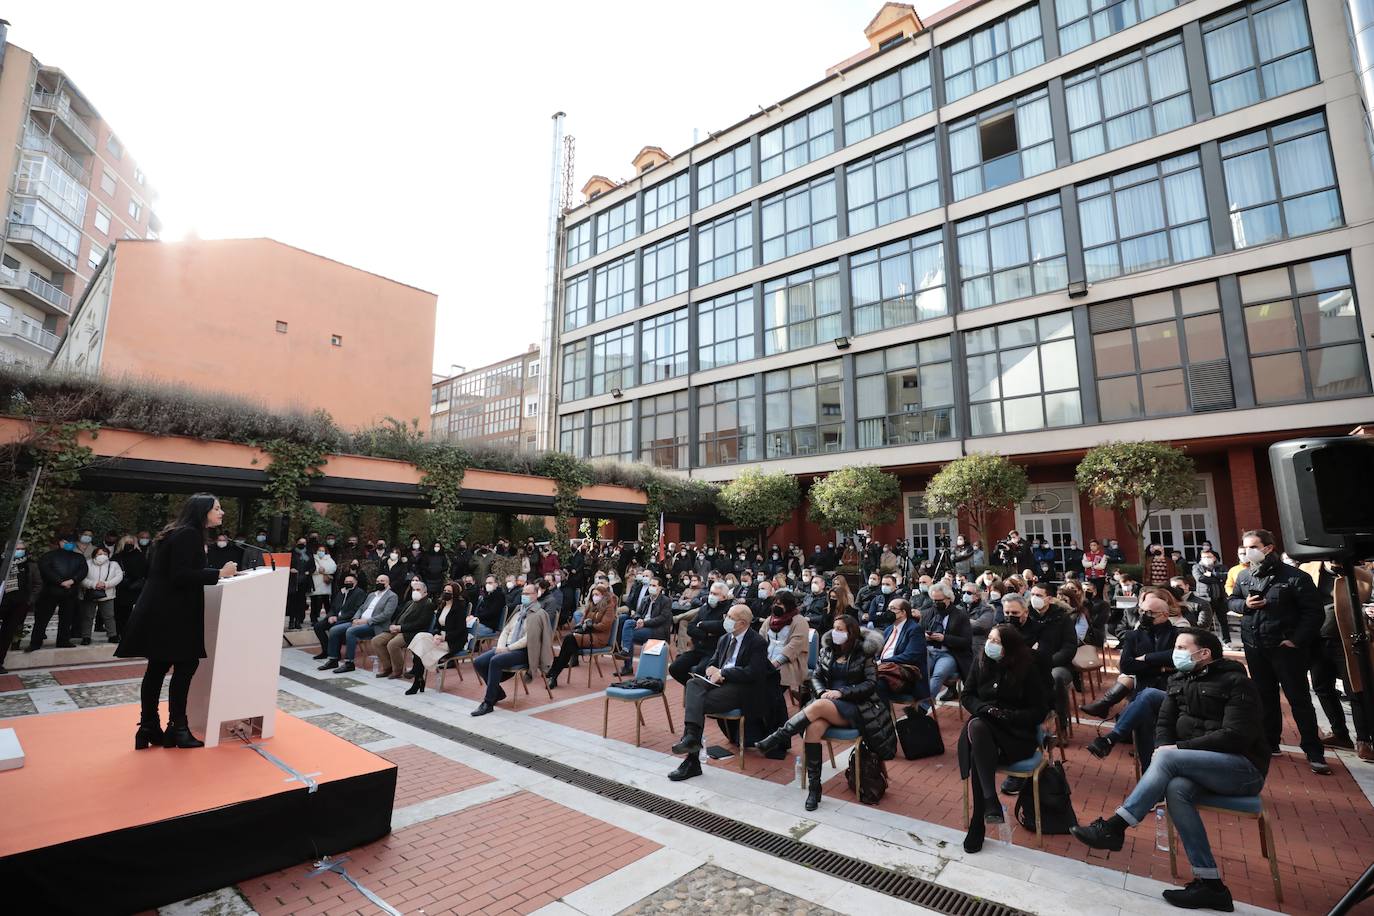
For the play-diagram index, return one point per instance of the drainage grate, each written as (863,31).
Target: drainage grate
(847,868)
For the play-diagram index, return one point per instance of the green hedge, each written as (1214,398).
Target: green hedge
(149,407)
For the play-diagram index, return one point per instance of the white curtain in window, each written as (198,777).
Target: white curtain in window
(1183,196)
(1123,89)
(1281,30)
(963,147)
(1082,104)
(863,284)
(1008,245)
(1096,221)
(1033,123)
(1025,25)
(1249,179)
(1228,50)
(1304,164)
(1139,209)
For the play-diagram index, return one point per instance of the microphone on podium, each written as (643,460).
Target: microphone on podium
(263,553)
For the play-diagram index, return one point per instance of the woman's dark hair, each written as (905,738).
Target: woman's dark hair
(788,600)
(851,626)
(192,515)
(1016,655)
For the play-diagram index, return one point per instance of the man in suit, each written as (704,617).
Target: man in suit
(345,603)
(737,669)
(652,618)
(374,617)
(61,570)
(705,629)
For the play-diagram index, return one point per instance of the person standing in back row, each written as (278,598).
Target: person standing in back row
(1281,614)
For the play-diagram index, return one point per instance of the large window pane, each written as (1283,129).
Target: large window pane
(1258,51)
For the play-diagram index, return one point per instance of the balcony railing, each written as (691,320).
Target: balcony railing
(39,142)
(72,211)
(26,233)
(61,106)
(37,286)
(45,340)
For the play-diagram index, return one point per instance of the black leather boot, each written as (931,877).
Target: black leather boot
(786,732)
(813,775)
(1099,708)
(148,734)
(977,829)
(418,685)
(179,735)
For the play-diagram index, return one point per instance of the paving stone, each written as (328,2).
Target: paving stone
(107,694)
(711,889)
(288,702)
(16,705)
(36,679)
(348,729)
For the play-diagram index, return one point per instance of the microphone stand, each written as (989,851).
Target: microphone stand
(261,553)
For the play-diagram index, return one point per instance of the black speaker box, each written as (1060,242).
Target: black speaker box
(1325,490)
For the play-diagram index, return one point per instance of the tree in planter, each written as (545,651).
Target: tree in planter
(760,501)
(855,498)
(1123,475)
(974,487)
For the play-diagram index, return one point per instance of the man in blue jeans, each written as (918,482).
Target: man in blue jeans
(651,620)
(1210,739)
(949,641)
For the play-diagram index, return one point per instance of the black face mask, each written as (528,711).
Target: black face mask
(347,585)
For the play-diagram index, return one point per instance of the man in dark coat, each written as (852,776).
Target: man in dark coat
(705,630)
(21,587)
(735,676)
(1211,739)
(345,603)
(949,641)
(61,570)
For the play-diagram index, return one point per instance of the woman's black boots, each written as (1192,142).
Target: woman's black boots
(813,774)
(179,735)
(149,734)
(788,730)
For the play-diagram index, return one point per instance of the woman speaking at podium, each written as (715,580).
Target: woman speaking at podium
(168,623)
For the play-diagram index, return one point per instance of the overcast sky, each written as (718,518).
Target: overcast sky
(413,138)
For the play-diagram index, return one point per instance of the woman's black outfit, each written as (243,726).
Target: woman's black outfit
(167,627)
(432,568)
(133,561)
(1005,709)
(302,584)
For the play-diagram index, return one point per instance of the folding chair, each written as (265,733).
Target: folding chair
(1247,806)
(736,716)
(651,664)
(520,684)
(1030,768)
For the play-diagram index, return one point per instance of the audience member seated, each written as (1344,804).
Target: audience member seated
(815,605)
(949,642)
(1007,696)
(982,615)
(491,604)
(416,616)
(527,640)
(448,634)
(876,613)
(845,687)
(1056,643)
(374,617)
(346,603)
(1210,737)
(1146,663)
(593,631)
(903,658)
(704,628)
(789,647)
(735,676)
(652,618)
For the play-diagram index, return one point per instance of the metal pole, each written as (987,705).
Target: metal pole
(546,354)
(17,526)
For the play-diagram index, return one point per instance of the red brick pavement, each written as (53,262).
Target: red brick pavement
(495,861)
(423,775)
(10,683)
(69,677)
(1322,824)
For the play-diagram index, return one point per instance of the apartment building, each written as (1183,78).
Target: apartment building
(1015,227)
(72,190)
(496,404)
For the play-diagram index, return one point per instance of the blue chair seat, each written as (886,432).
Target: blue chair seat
(834,733)
(1240,804)
(630,693)
(1025,766)
(601,650)
(728,714)
(904,699)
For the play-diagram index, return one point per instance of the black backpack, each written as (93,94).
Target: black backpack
(1056,803)
(919,735)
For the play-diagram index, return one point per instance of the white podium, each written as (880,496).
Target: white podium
(236,682)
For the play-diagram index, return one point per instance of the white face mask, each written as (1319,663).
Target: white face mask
(1254,555)
(491,587)
(221,543)
(1209,562)
(416,594)
(100,559)
(1037,602)
(995,596)
(838,637)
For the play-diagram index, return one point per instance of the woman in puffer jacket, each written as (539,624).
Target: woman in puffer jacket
(846,684)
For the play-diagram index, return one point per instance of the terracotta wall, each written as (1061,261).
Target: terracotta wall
(203,314)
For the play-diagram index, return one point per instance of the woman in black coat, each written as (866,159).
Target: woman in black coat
(168,623)
(433,567)
(1007,696)
(846,685)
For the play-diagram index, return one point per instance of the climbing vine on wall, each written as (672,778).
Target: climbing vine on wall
(295,465)
(569,477)
(444,469)
(57,447)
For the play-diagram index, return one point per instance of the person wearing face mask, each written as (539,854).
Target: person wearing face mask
(815,605)
(222,550)
(132,556)
(1015,552)
(1210,739)
(1281,616)
(98,589)
(1007,697)
(378,608)
(949,642)
(876,613)
(902,659)
(1055,642)
(789,638)
(490,611)
(651,618)
(845,687)
(61,570)
(1114,552)
(415,616)
(1146,662)
(446,634)
(301,586)
(869,590)
(962,555)
(322,582)
(21,587)
(735,676)
(593,631)
(526,640)
(343,606)
(982,617)
(704,629)
(432,566)
(397,569)
(1211,591)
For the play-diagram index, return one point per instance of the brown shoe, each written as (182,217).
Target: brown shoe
(1341,741)
(1365,750)
(382,674)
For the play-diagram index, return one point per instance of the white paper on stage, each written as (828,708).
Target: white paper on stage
(237,680)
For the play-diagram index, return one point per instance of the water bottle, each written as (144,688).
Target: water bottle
(1161,830)
(798,775)
(1004,828)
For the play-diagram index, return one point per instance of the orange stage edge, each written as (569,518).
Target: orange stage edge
(161,824)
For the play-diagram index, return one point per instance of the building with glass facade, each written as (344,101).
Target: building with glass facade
(1022,228)
(496,404)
